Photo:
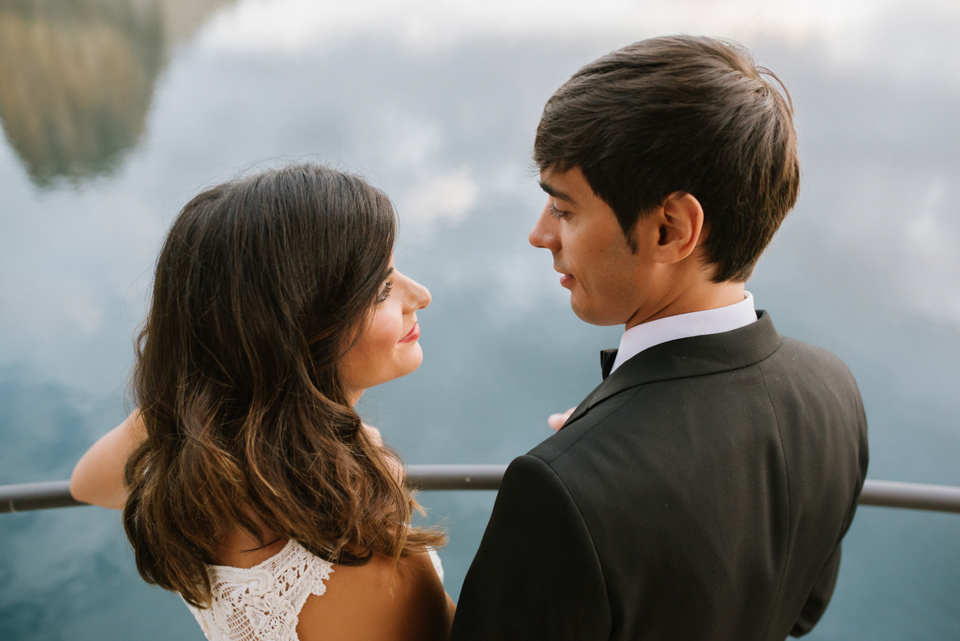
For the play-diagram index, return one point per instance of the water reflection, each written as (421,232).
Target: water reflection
(77,78)
(437,103)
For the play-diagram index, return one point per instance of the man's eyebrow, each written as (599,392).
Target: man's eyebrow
(556,193)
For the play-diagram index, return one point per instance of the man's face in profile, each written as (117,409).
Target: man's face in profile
(605,278)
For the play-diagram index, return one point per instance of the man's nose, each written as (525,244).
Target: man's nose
(544,233)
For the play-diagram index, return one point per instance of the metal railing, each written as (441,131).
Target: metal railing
(915,496)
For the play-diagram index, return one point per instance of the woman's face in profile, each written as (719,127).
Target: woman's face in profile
(388,347)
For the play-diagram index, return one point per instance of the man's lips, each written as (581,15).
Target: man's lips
(566,280)
(412,335)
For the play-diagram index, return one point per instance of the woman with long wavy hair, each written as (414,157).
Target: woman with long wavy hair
(247,481)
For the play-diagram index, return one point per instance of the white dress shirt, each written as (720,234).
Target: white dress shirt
(710,321)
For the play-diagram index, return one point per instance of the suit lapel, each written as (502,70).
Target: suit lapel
(584,405)
(688,357)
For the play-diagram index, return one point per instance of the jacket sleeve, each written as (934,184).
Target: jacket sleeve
(536,574)
(822,590)
(819,597)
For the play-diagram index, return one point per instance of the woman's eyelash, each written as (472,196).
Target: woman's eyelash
(387,286)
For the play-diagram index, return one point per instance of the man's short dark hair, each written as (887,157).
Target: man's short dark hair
(687,114)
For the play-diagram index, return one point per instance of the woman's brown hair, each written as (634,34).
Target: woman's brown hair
(261,287)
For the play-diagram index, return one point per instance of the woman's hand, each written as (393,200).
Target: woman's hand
(556,421)
(98,476)
(374,435)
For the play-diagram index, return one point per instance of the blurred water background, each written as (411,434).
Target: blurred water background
(115,112)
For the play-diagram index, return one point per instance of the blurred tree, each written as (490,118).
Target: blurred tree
(77,78)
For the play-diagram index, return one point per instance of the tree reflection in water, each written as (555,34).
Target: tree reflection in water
(77,78)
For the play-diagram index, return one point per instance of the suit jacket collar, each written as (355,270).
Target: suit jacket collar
(687,357)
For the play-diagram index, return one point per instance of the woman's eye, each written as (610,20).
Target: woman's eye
(384,291)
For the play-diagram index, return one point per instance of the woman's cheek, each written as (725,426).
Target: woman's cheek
(389,332)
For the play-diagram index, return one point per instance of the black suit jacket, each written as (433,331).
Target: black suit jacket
(700,492)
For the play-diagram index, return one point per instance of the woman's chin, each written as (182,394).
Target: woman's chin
(406,364)
(415,356)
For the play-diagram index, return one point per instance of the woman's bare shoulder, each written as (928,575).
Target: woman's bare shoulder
(381,600)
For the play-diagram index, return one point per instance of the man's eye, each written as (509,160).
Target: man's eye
(385,291)
(556,213)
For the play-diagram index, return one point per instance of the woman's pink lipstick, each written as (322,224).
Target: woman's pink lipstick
(412,335)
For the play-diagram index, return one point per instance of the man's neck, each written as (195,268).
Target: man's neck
(700,297)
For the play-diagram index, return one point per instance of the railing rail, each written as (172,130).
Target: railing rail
(915,496)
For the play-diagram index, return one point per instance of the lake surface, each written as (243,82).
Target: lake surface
(116,112)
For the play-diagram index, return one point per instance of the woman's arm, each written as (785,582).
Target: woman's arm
(98,477)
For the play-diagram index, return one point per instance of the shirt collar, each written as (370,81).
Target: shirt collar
(709,321)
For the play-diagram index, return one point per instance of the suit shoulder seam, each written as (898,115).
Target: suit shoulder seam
(783,460)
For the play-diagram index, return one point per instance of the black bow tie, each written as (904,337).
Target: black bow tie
(607,357)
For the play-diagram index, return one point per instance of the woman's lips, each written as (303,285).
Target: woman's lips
(412,335)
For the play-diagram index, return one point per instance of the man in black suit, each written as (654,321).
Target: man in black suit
(702,490)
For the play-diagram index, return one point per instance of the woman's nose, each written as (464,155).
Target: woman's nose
(425,296)
(418,297)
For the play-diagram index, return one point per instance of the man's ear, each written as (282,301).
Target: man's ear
(673,229)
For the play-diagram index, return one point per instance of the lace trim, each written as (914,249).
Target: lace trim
(263,603)
(437,565)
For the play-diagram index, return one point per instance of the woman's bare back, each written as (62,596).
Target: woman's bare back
(284,587)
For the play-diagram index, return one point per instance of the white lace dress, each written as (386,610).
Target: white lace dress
(263,603)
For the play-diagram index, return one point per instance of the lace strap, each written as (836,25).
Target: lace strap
(437,565)
(263,603)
